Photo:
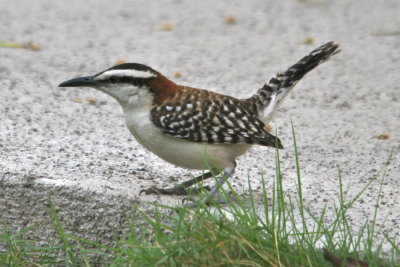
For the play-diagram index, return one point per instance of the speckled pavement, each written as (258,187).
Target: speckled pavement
(71,144)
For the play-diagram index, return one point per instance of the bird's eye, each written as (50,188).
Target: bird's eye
(113,79)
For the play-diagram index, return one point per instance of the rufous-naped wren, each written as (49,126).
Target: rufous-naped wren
(195,128)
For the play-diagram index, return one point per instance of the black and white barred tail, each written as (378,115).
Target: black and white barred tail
(268,98)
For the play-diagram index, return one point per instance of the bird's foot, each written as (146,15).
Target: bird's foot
(177,191)
(210,199)
(191,202)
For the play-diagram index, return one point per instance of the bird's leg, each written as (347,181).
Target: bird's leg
(180,189)
(227,173)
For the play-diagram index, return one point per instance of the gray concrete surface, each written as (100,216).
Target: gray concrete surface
(83,157)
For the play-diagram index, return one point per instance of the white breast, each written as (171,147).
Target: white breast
(177,151)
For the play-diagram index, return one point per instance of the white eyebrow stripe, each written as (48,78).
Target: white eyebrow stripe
(126,73)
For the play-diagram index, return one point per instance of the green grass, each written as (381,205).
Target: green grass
(271,229)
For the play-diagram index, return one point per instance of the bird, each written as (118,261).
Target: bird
(195,128)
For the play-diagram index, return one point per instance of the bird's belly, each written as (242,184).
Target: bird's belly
(180,152)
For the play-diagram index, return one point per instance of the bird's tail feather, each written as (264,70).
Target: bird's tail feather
(267,99)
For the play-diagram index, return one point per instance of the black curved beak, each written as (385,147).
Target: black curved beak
(81,81)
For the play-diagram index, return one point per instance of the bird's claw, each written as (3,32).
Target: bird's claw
(177,190)
(152,190)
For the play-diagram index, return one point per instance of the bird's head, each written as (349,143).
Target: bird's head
(128,83)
